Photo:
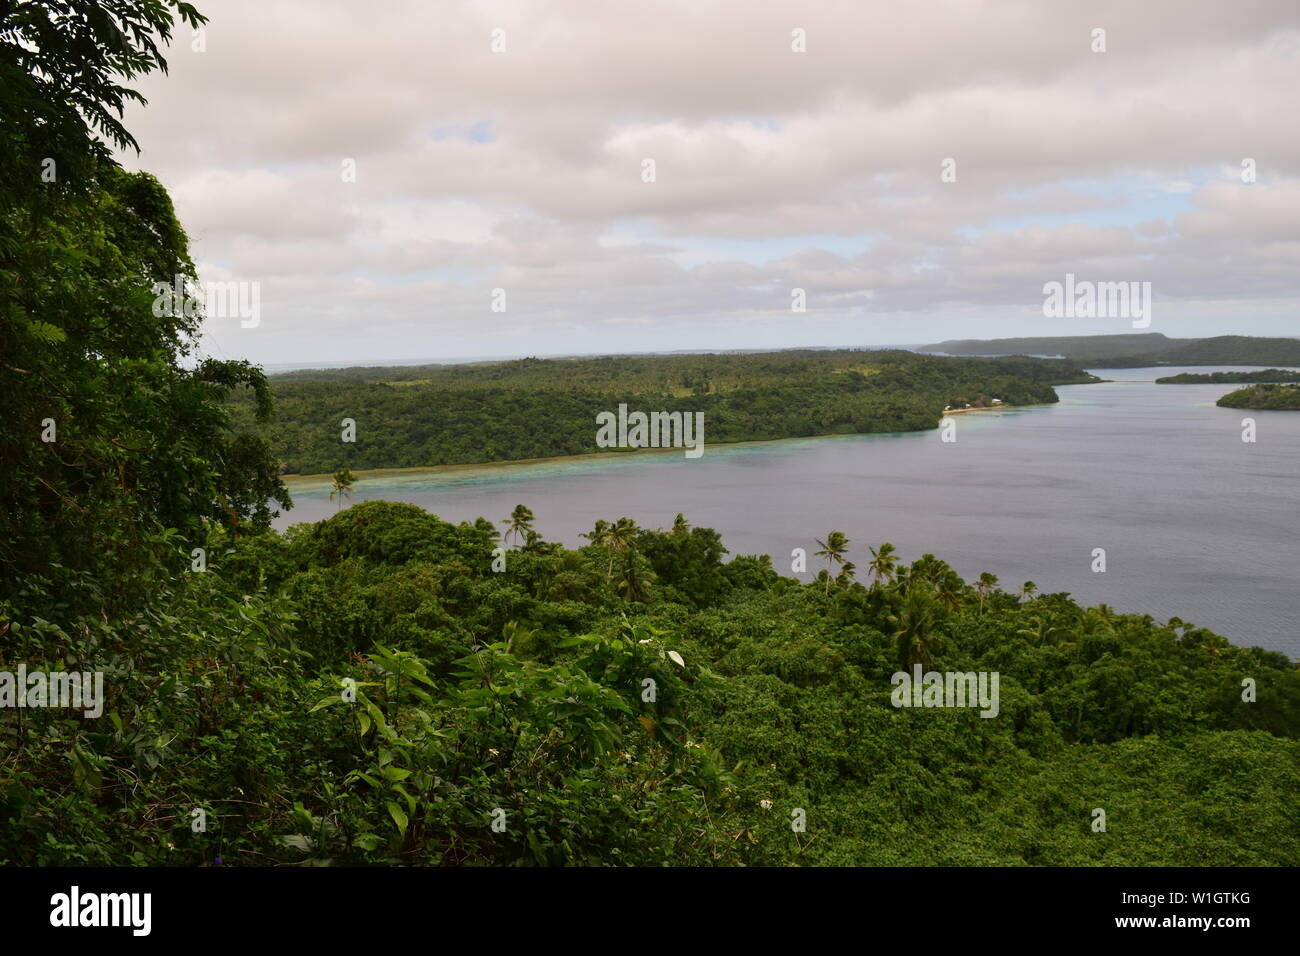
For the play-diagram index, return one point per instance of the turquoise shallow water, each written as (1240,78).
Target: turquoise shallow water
(1195,523)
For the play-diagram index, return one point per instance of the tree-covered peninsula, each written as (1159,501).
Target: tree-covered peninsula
(1136,350)
(1263,397)
(540,408)
(1231,378)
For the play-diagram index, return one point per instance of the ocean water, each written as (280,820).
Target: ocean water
(1195,522)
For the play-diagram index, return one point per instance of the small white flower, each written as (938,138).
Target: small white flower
(494,752)
(765,804)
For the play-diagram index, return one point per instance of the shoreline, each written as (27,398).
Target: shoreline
(501,463)
(987,408)
(370,473)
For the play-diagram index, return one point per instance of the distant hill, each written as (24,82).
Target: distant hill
(1236,350)
(1068,346)
(1134,350)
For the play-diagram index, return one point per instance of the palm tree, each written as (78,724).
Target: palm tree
(987,583)
(602,534)
(1101,617)
(622,537)
(1044,632)
(635,580)
(914,625)
(1028,590)
(833,550)
(342,486)
(927,568)
(846,574)
(883,564)
(949,591)
(520,523)
(599,534)
(681,525)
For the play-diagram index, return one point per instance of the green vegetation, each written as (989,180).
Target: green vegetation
(526,691)
(1263,397)
(534,408)
(114,441)
(1227,378)
(342,486)
(374,690)
(1136,350)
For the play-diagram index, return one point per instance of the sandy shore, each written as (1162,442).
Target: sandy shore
(477,466)
(982,408)
(361,474)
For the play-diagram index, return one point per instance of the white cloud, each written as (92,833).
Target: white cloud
(523,169)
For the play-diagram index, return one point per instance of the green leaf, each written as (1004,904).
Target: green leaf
(375,713)
(398,815)
(45,332)
(410,800)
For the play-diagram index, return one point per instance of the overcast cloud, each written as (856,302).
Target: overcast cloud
(522,170)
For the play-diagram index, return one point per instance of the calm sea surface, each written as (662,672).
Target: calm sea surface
(1195,522)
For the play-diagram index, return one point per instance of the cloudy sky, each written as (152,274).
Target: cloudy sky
(523,169)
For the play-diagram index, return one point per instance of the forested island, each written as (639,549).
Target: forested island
(541,408)
(1264,397)
(1136,350)
(1228,378)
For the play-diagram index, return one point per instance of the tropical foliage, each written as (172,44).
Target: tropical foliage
(116,439)
(535,408)
(1225,378)
(678,709)
(375,689)
(1264,397)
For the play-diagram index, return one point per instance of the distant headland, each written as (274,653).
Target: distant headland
(1134,350)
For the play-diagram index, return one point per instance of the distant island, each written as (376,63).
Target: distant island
(1265,397)
(1230,378)
(431,415)
(1134,350)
